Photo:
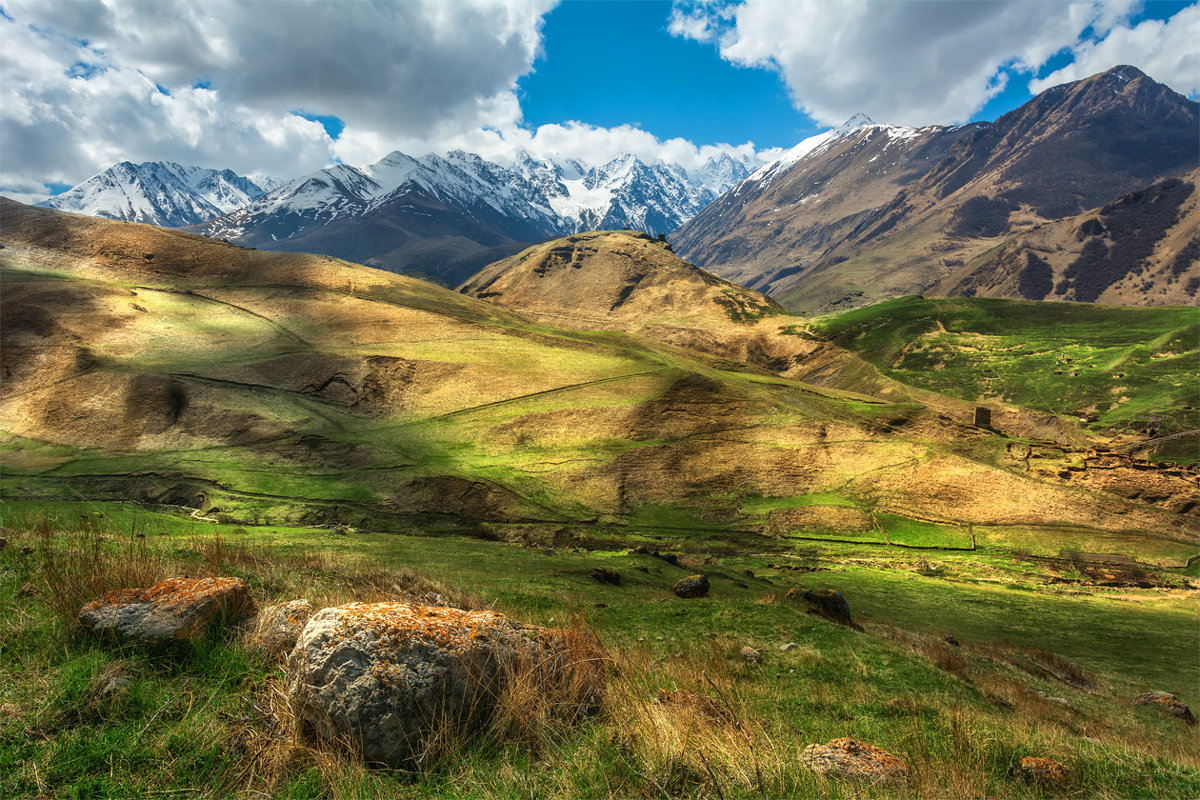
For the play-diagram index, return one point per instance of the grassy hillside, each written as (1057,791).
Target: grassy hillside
(1133,368)
(148,365)
(88,719)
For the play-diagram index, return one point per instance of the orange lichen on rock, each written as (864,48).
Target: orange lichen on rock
(854,760)
(173,610)
(1168,702)
(386,676)
(1045,771)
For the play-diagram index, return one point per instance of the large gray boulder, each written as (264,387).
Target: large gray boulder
(174,610)
(384,677)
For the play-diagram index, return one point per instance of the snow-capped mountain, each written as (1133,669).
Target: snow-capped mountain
(444,215)
(159,193)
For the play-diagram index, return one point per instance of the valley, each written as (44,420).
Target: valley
(869,470)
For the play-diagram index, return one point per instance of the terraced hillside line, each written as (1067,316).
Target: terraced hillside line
(542,393)
(193,293)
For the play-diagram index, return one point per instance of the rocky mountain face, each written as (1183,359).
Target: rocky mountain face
(874,211)
(1141,249)
(159,193)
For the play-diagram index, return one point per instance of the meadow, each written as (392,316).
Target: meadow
(1046,663)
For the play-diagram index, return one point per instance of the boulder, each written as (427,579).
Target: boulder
(606,576)
(749,654)
(1044,771)
(174,610)
(1168,702)
(692,586)
(277,627)
(850,759)
(384,677)
(826,603)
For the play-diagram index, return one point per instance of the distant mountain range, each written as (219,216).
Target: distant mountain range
(870,211)
(160,193)
(442,216)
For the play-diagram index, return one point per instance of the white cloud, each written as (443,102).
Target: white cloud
(1165,50)
(913,62)
(79,81)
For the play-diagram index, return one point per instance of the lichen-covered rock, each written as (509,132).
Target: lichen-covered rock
(1045,771)
(277,627)
(750,655)
(173,610)
(850,759)
(692,587)
(384,676)
(1168,702)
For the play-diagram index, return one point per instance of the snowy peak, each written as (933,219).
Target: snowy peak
(859,120)
(159,193)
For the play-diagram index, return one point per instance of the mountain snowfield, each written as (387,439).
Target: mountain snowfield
(552,195)
(160,193)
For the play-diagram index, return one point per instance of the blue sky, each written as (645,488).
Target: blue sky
(631,69)
(284,88)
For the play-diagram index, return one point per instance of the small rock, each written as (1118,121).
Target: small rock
(850,759)
(174,610)
(26,550)
(749,654)
(277,627)
(1045,771)
(788,646)
(692,587)
(606,576)
(641,550)
(952,641)
(670,558)
(827,603)
(1168,702)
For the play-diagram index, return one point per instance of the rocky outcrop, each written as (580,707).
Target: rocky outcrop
(692,587)
(176,609)
(1168,702)
(850,759)
(386,676)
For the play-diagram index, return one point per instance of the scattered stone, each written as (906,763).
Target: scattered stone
(277,627)
(174,610)
(692,586)
(670,558)
(827,603)
(384,676)
(749,573)
(700,705)
(850,759)
(606,576)
(641,550)
(1062,701)
(1045,771)
(1168,702)
(788,647)
(26,550)
(951,640)
(750,655)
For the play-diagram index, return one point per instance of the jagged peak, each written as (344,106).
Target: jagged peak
(859,120)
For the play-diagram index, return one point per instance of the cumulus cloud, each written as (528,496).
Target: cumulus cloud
(216,82)
(914,62)
(1164,50)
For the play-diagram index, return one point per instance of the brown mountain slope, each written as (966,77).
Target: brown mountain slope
(932,200)
(1142,249)
(143,364)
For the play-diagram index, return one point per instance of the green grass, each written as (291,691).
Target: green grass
(1133,367)
(185,722)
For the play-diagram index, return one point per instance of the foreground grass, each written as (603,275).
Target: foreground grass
(85,719)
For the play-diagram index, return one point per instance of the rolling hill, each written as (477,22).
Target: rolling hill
(146,364)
